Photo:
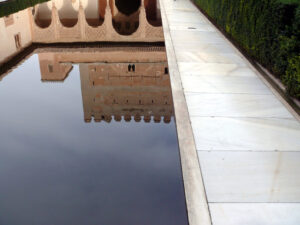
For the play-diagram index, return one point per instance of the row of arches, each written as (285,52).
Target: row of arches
(125,13)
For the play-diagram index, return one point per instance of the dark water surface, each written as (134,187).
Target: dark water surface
(56,169)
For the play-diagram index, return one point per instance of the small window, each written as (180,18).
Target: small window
(50,68)
(129,68)
(133,68)
(166,70)
(18,41)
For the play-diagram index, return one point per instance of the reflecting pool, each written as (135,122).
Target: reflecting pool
(88,137)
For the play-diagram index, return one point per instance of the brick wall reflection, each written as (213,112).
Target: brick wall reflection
(126,87)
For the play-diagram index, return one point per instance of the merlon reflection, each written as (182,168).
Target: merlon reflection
(127,86)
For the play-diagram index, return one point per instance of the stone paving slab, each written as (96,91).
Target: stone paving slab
(246,134)
(258,214)
(248,140)
(235,105)
(224,84)
(209,57)
(256,177)
(217,69)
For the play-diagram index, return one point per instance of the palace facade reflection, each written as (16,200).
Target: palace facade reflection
(130,83)
(117,82)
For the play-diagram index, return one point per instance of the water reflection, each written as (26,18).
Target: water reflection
(116,89)
(55,168)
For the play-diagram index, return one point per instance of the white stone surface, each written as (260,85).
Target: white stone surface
(209,57)
(224,84)
(246,134)
(197,206)
(195,26)
(194,36)
(248,142)
(251,176)
(235,105)
(216,69)
(255,214)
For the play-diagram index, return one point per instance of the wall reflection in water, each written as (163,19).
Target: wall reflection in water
(58,168)
(116,89)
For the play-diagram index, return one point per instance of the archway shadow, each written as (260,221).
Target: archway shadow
(42,15)
(68,16)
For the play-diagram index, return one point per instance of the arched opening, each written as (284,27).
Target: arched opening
(128,7)
(68,16)
(95,12)
(42,15)
(153,12)
(125,19)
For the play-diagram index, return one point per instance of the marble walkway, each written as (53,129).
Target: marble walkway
(247,139)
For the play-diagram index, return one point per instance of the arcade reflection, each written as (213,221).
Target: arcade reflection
(69,154)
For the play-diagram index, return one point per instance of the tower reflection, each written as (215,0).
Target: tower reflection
(116,83)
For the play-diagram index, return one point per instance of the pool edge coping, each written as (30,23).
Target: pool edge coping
(195,194)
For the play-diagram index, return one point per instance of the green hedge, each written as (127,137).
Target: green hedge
(13,6)
(269,30)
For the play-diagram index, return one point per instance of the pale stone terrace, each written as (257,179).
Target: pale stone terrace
(247,138)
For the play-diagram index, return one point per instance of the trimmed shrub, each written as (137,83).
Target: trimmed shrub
(13,6)
(292,77)
(268,30)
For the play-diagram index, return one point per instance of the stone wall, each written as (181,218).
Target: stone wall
(15,34)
